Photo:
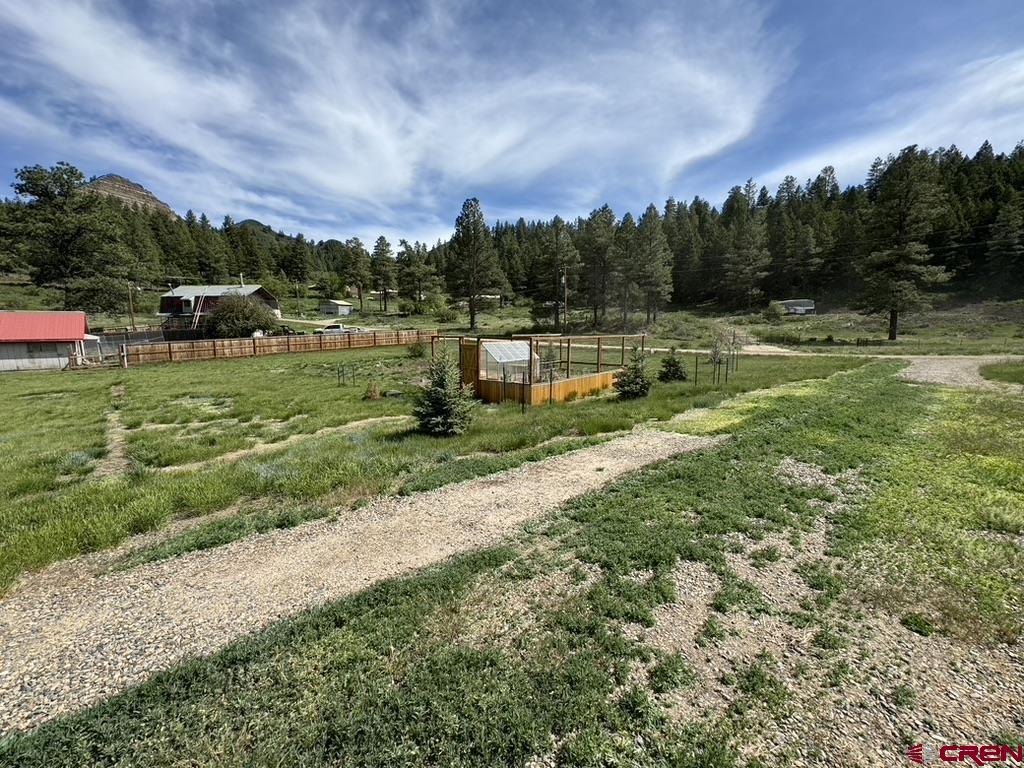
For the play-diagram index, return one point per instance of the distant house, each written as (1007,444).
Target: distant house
(42,340)
(798,306)
(335,307)
(190,303)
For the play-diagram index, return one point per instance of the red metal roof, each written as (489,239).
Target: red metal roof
(42,326)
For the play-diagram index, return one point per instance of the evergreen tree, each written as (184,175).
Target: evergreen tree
(476,271)
(898,278)
(382,270)
(654,271)
(597,251)
(66,232)
(626,260)
(415,279)
(355,267)
(445,406)
(633,381)
(1006,245)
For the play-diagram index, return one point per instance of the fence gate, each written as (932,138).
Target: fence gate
(469,360)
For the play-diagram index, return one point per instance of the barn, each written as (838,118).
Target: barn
(41,340)
(335,307)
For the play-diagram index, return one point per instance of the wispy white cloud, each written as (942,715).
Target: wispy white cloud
(966,105)
(368,116)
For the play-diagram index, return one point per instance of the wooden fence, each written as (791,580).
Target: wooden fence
(554,391)
(224,349)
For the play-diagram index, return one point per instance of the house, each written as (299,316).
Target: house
(190,303)
(798,306)
(335,307)
(42,340)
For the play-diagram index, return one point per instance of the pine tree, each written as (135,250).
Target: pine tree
(475,268)
(415,278)
(355,267)
(633,381)
(672,368)
(68,233)
(654,272)
(898,277)
(1006,244)
(382,270)
(445,406)
(597,251)
(625,262)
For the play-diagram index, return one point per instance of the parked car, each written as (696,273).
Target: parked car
(333,328)
(286,330)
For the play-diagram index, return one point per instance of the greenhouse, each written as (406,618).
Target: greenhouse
(508,361)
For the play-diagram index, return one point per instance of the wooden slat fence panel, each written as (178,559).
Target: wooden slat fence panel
(218,349)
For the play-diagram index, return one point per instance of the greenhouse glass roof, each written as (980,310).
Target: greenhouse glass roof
(508,351)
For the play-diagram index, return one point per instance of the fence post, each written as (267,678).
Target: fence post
(622,362)
(568,358)
(170,353)
(696,364)
(124,355)
(598,354)
(522,399)
(254,353)
(551,383)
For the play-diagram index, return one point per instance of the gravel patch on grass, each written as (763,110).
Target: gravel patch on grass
(859,686)
(956,371)
(90,639)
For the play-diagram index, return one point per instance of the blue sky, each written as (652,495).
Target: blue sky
(360,118)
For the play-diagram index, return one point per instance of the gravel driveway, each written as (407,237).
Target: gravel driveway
(68,646)
(956,371)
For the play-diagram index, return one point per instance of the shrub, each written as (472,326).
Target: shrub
(238,316)
(632,381)
(417,349)
(774,312)
(446,315)
(445,405)
(672,368)
(372,391)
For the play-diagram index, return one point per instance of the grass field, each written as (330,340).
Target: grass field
(61,497)
(984,328)
(1011,373)
(555,648)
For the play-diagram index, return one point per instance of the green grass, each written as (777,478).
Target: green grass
(1012,373)
(52,509)
(388,676)
(981,328)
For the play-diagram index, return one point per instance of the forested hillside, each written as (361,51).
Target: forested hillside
(922,219)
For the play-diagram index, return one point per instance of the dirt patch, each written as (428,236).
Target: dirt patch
(116,462)
(960,372)
(87,640)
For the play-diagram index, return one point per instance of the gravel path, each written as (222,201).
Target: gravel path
(956,371)
(67,646)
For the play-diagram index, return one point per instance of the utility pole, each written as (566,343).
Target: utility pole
(131,306)
(565,301)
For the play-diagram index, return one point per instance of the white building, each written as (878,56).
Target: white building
(335,308)
(798,306)
(31,341)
